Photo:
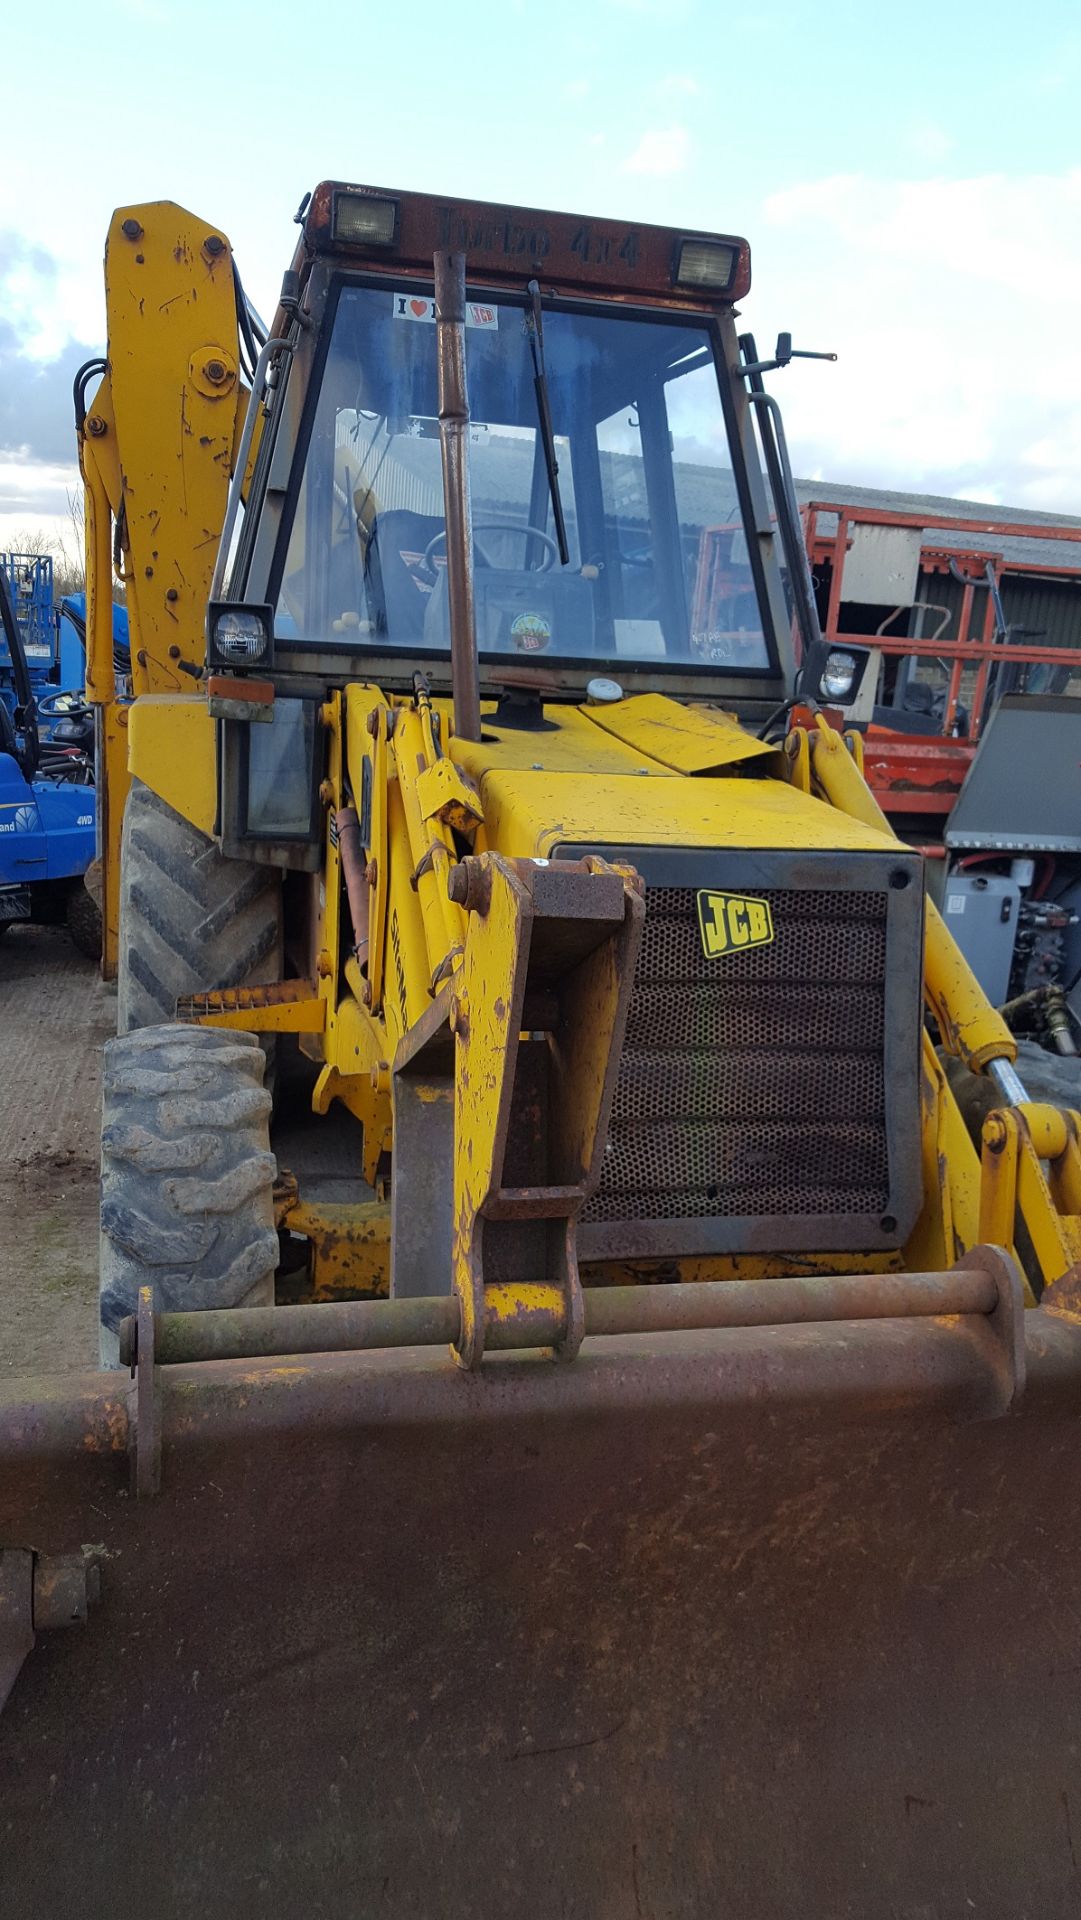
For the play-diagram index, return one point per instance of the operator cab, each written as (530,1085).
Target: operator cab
(620,522)
(619,515)
(644,474)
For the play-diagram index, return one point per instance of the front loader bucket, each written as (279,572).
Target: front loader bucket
(753,1620)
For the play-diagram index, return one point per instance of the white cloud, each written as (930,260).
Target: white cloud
(35,498)
(45,300)
(661,151)
(955,309)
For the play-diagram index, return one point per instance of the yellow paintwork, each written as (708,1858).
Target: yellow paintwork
(797,761)
(157,451)
(1015,1140)
(592,988)
(949,1218)
(170,307)
(367,757)
(355,1048)
(490,986)
(282,1016)
(570,743)
(350,1247)
(112,785)
(684,739)
(529,814)
(431,848)
(171,747)
(511,1300)
(351,1260)
(970,1025)
(156,454)
(99,461)
(443,794)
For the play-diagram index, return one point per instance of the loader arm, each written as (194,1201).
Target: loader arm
(157,445)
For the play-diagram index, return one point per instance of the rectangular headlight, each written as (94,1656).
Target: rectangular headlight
(239,637)
(361,220)
(710,264)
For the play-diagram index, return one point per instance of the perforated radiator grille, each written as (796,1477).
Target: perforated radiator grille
(752,1085)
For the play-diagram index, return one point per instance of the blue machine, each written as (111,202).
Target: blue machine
(54,645)
(29,581)
(48,805)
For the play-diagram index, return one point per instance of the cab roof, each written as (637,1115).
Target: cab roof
(384,228)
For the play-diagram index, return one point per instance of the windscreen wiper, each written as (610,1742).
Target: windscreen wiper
(535,330)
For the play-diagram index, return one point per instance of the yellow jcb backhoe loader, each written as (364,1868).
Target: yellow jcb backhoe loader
(648,1490)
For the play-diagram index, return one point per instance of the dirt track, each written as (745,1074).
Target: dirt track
(54,1015)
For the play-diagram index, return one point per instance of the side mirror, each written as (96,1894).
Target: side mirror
(783,350)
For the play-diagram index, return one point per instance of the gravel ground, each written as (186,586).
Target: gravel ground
(54,1015)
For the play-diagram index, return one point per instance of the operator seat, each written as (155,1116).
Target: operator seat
(398,583)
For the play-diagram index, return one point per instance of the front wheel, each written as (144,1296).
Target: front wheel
(187,1175)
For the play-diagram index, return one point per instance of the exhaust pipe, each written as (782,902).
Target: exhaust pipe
(453,426)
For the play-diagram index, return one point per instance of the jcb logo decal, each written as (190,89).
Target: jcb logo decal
(730,923)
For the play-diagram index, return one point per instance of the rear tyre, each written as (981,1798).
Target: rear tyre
(187,1175)
(190,920)
(84,921)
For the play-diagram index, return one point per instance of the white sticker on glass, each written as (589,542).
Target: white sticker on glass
(411,306)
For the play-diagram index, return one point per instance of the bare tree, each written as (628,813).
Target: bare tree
(65,549)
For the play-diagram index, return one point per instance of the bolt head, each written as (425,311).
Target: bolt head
(95,426)
(216,372)
(214,244)
(131,230)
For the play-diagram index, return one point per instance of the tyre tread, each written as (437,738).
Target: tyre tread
(191,920)
(187,1176)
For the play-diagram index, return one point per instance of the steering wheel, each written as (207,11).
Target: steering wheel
(49,708)
(551,551)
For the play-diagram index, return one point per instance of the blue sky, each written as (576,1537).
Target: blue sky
(909,178)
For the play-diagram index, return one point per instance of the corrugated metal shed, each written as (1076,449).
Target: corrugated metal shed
(1044,607)
(1026,549)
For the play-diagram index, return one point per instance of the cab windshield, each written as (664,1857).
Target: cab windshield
(657,568)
